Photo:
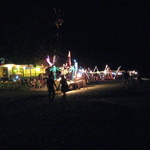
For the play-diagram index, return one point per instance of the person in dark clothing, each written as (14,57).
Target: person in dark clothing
(64,87)
(126,78)
(139,80)
(50,86)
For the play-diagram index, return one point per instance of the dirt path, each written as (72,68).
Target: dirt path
(102,116)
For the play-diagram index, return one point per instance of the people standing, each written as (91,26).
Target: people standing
(84,80)
(64,87)
(126,79)
(139,80)
(50,86)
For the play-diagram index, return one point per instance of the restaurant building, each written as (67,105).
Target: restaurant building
(13,71)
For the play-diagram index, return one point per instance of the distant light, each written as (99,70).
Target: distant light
(48,61)
(119,73)
(69,82)
(105,71)
(15,70)
(9,66)
(79,75)
(14,80)
(59,79)
(113,73)
(37,69)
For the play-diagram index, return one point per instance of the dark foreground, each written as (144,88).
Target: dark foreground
(107,116)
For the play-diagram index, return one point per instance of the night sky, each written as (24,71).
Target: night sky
(96,32)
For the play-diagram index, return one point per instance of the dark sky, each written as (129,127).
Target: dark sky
(96,32)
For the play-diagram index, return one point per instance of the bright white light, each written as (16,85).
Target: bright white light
(113,73)
(48,61)
(119,73)
(69,82)
(37,69)
(9,66)
(105,72)
(79,75)
(59,79)
(14,80)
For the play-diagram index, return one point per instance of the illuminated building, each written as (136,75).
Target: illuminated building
(11,71)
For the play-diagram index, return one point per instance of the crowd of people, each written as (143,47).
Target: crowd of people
(51,85)
(129,78)
(47,83)
(34,83)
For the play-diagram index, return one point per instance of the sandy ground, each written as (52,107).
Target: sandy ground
(106,115)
